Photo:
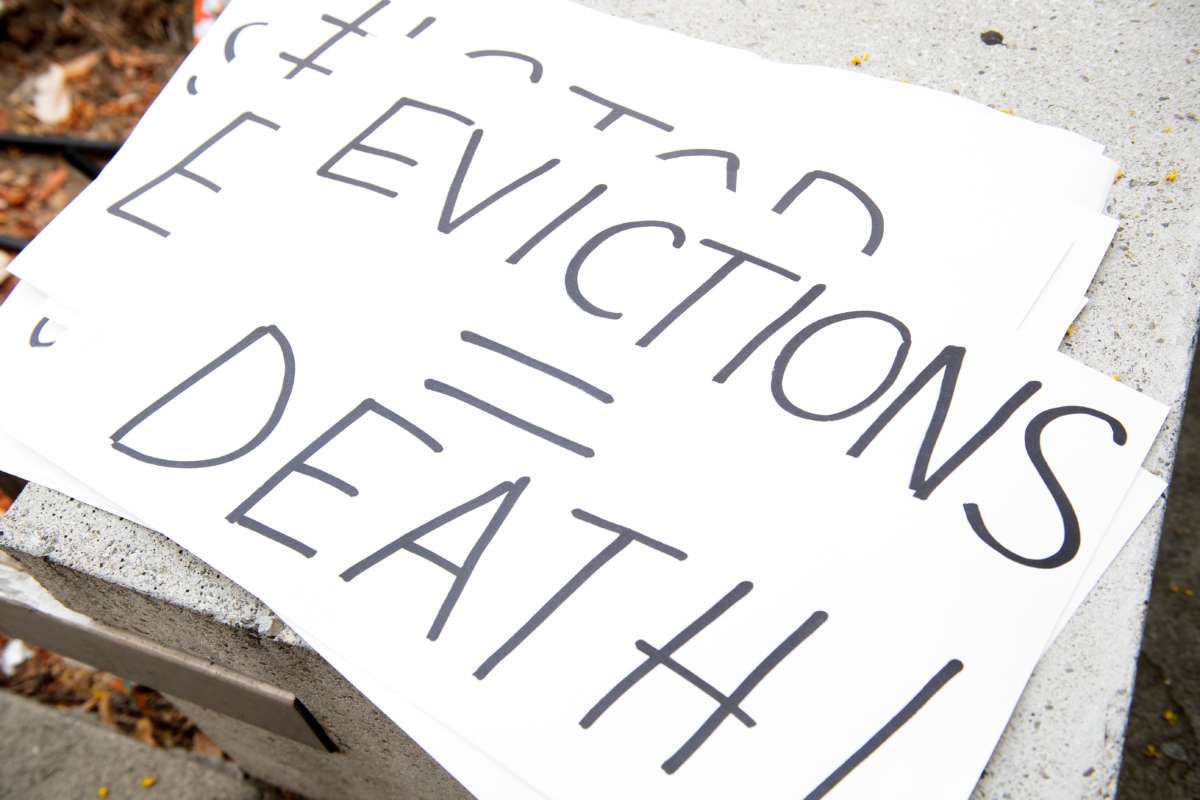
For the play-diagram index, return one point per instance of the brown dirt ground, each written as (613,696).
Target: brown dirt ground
(117,53)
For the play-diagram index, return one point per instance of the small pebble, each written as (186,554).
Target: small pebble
(991,37)
(1174,751)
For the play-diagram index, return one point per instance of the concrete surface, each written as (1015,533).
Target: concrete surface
(18,586)
(129,577)
(1119,72)
(1162,745)
(49,754)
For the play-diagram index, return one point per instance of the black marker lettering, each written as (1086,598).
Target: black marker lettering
(1033,446)
(509,491)
(344,29)
(726,705)
(555,223)
(625,537)
(35,337)
(447,222)
(535,66)
(732,162)
(357,144)
(872,209)
(736,259)
(299,464)
(616,111)
(231,39)
(910,709)
(572,277)
(540,366)
(511,419)
(285,392)
(770,330)
(793,344)
(949,363)
(421,27)
(191,86)
(117,209)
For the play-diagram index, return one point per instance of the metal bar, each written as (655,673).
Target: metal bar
(170,672)
(84,165)
(56,144)
(12,243)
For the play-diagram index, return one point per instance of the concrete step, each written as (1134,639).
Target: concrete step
(58,754)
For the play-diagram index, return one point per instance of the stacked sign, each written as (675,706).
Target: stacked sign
(624,415)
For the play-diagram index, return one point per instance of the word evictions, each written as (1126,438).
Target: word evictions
(944,368)
(942,372)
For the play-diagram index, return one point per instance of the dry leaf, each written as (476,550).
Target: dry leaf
(14,197)
(206,746)
(83,114)
(51,97)
(130,103)
(142,698)
(107,715)
(51,182)
(82,66)
(138,58)
(143,731)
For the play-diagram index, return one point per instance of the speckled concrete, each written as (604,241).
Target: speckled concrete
(129,577)
(52,754)
(1122,73)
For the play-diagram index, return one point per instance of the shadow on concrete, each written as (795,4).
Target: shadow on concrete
(1162,751)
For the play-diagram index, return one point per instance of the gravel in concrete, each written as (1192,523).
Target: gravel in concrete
(53,754)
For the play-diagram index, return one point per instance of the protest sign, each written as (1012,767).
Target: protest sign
(657,483)
(597,481)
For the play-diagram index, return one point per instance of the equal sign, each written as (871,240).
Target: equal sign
(557,373)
